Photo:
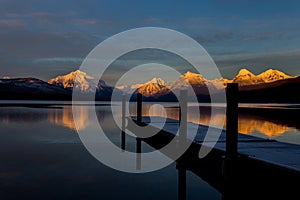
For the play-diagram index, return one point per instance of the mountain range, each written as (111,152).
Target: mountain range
(269,86)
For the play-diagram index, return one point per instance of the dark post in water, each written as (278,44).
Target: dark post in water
(183,113)
(232,120)
(139,108)
(123,139)
(139,122)
(181,182)
(138,153)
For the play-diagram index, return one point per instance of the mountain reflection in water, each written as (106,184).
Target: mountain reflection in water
(249,123)
(64,117)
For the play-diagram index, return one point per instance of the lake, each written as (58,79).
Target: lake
(42,156)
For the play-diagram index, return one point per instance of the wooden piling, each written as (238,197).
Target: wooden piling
(232,121)
(183,113)
(139,122)
(139,108)
(138,153)
(123,138)
(181,181)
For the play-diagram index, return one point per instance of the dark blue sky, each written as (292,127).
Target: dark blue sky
(47,38)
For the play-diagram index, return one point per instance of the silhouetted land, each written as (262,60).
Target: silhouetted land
(283,91)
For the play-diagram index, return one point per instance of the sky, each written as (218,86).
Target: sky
(47,38)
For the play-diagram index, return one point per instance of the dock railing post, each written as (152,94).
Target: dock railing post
(123,139)
(232,121)
(183,113)
(229,160)
(139,122)
(139,108)
(181,181)
(138,153)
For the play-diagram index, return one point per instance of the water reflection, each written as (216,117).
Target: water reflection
(61,116)
(24,115)
(39,156)
(64,117)
(248,123)
(251,124)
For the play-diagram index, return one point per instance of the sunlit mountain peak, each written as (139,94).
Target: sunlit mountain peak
(154,87)
(194,78)
(273,75)
(76,79)
(245,72)
(245,77)
(158,81)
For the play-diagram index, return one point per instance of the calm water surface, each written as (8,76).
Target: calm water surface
(42,157)
(269,121)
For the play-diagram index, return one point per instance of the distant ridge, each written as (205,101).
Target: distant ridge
(199,83)
(281,91)
(269,86)
(31,89)
(248,81)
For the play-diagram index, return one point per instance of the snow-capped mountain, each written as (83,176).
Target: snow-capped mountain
(252,87)
(158,87)
(84,82)
(154,87)
(219,83)
(199,83)
(272,75)
(187,79)
(80,81)
(193,78)
(158,81)
(245,77)
(129,88)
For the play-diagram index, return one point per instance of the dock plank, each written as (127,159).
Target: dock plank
(265,150)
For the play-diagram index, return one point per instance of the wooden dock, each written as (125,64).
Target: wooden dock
(266,167)
(239,166)
(265,150)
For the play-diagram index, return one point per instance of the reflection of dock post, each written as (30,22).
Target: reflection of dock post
(123,139)
(183,113)
(139,122)
(138,153)
(139,108)
(181,182)
(232,121)
(229,161)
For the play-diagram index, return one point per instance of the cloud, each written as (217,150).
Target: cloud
(215,37)
(87,21)
(15,6)
(12,23)
(59,60)
(47,35)
(44,44)
(42,54)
